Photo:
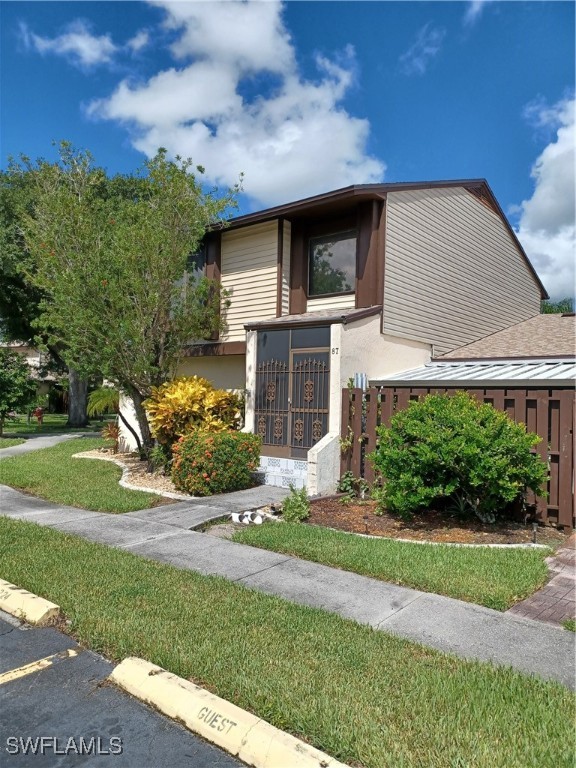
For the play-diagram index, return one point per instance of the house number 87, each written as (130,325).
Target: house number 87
(335,350)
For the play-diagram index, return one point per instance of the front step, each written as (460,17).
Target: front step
(282,472)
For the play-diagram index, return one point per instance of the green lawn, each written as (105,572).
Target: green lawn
(53,475)
(363,696)
(53,422)
(9,442)
(496,578)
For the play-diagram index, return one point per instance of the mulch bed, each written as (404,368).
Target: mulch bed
(360,517)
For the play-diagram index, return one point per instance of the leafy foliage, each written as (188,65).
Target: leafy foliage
(352,486)
(17,388)
(111,432)
(458,450)
(185,404)
(548,307)
(215,462)
(110,256)
(296,506)
(103,400)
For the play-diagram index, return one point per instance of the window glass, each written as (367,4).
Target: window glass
(196,262)
(332,264)
(309,338)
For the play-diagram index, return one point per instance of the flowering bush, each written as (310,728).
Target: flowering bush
(215,462)
(185,404)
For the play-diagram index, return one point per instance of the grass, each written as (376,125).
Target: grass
(570,625)
(496,578)
(9,442)
(53,475)
(361,695)
(53,422)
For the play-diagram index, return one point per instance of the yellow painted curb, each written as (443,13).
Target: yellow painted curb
(25,605)
(240,733)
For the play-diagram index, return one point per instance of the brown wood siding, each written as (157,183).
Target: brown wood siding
(551,413)
(453,273)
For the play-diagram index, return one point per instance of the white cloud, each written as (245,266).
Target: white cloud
(293,139)
(474,11)
(77,44)
(139,41)
(427,46)
(547,227)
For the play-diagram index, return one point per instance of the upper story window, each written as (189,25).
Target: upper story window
(332,264)
(196,262)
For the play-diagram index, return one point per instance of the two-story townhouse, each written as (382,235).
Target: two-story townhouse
(370,279)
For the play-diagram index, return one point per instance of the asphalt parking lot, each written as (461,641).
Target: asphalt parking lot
(59,710)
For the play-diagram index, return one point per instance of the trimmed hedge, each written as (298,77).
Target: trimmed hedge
(215,462)
(453,449)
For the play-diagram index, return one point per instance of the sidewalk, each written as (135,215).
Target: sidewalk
(36,442)
(163,534)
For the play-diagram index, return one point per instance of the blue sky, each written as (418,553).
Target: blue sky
(304,97)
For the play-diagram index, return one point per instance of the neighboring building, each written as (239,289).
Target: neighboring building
(372,279)
(37,361)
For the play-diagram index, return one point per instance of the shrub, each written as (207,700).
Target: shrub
(458,450)
(296,506)
(215,462)
(186,404)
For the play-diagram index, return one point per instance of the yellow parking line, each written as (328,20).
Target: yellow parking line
(36,666)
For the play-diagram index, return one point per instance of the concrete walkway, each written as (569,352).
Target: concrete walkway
(36,442)
(164,534)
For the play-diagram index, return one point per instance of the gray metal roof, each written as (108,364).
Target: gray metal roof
(528,373)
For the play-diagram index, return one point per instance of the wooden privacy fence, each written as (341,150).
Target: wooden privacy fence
(548,412)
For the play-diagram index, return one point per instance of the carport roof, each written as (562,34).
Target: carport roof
(515,373)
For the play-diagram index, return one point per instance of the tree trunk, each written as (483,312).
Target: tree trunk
(77,400)
(142,419)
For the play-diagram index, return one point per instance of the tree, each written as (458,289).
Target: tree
(20,298)
(557,307)
(111,256)
(17,388)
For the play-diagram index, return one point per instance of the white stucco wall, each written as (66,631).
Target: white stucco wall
(223,371)
(126,443)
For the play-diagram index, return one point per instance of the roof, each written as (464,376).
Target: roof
(490,372)
(320,317)
(542,336)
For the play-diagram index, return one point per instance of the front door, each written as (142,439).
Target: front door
(292,389)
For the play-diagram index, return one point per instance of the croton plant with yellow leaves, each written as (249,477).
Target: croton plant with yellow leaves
(188,403)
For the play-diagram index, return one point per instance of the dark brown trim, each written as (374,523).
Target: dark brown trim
(279,266)
(298,270)
(367,254)
(381,261)
(211,349)
(214,263)
(292,322)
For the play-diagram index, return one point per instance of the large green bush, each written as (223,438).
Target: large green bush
(456,449)
(215,462)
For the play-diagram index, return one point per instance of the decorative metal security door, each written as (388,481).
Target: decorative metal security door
(292,389)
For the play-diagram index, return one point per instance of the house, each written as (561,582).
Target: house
(369,279)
